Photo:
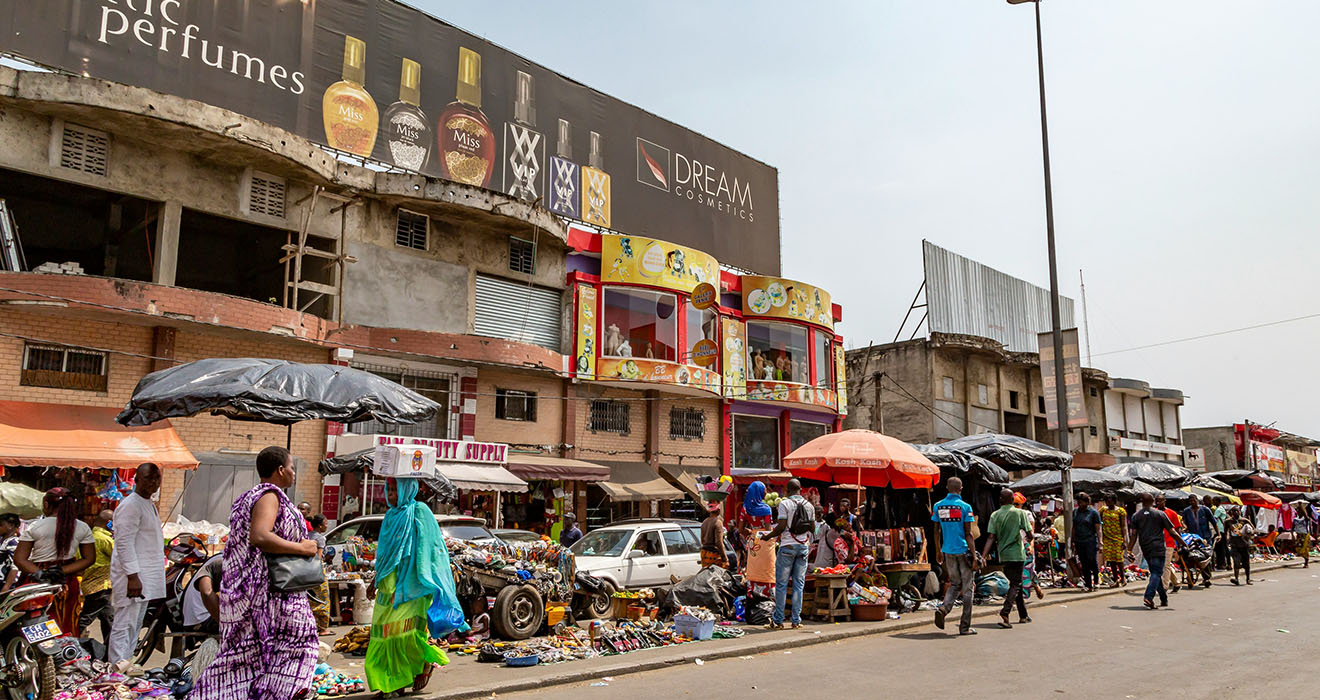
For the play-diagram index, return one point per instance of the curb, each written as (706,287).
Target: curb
(629,664)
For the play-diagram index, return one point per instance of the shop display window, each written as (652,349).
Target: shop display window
(639,323)
(777,352)
(824,360)
(755,442)
(701,324)
(802,432)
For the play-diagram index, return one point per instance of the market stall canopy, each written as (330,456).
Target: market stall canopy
(964,464)
(1092,481)
(1204,492)
(686,476)
(1160,474)
(1254,479)
(273,391)
(1287,496)
(23,501)
(1251,497)
(1138,488)
(1010,451)
(863,457)
(477,477)
(531,466)
(362,461)
(1312,496)
(1209,482)
(63,435)
(637,481)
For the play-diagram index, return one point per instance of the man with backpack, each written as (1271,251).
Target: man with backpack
(795,523)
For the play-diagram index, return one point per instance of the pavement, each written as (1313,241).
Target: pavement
(861,648)
(1216,642)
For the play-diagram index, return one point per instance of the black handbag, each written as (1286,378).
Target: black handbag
(290,573)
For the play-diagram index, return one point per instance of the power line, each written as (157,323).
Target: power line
(1210,335)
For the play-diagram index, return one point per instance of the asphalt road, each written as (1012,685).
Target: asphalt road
(1225,641)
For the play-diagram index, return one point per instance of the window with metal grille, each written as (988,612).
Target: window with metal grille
(60,367)
(411,229)
(83,149)
(266,195)
(687,423)
(433,385)
(522,256)
(513,404)
(609,417)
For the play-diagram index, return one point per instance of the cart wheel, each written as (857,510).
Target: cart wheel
(519,612)
(597,605)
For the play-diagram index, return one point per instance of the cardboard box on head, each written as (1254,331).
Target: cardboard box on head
(404,461)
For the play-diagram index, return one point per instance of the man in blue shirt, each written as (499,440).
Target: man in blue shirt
(1198,520)
(955,551)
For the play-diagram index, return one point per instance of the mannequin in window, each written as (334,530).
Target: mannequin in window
(760,370)
(650,353)
(613,339)
(783,367)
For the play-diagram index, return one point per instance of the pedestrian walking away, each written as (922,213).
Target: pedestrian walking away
(97,604)
(1007,528)
(793,531)
(1113,538)
(56,549)
(268,642)
(1220,511)
(955,552)
(1086,538)
(1240,535)
(137,569)
(1151,527)
(1301,527)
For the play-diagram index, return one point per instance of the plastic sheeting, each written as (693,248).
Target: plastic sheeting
(1158,474)
(273,391)
(1248,479)
(1010,451)
(710,588)
(1084,481)
(964,464)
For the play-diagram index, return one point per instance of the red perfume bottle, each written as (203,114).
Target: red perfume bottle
(467,146)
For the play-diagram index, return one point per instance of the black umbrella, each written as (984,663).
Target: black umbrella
(989,472)
(273,391)
(1160,474)
(1010,451)
(1209,482)
(1094,482)
(362,461)
(1248,479)
(1138,488)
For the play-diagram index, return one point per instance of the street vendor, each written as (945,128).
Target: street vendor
(712,538)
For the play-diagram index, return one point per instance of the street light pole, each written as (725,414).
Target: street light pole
(1060,387)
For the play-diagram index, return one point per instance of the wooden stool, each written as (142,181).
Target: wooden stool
(831,603)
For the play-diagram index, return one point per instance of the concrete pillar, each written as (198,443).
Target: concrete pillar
(162,346)
(1031,406)
(166,255)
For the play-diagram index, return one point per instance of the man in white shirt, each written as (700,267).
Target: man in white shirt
(137,569)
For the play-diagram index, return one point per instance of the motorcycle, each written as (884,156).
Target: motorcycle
(31,643)
(183,555)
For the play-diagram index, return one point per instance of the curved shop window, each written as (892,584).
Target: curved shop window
(639,323)
(824,360)
(699,325)
(777,352)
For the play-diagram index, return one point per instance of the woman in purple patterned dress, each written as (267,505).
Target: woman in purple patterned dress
(268,641)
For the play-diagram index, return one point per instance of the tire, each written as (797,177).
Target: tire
(148,638)
(41,686)
(519,612)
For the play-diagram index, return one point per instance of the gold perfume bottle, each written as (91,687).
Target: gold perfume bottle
(350,115)
(467,146)
(595,186)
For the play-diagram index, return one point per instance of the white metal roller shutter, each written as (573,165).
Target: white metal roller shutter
(517,311)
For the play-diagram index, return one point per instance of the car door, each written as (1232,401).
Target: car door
(684,552)
(651,566)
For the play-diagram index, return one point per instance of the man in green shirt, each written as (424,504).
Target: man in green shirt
(1008,526)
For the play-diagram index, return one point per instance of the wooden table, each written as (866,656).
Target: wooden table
(831,601)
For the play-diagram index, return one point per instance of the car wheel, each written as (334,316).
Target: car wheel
(599,604)
(519,612)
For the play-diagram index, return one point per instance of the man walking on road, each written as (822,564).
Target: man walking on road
(1240,533)
(1007,527)
(1171,544)
(1301,527)
(96,579)
(954,546)
(1150,527)
(797,519)
(1220,513)
(1086,537)
(137,569)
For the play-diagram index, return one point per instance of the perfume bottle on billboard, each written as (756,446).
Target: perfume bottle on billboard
(406,129)
(347,111)
(467,146)
(524,147)
(564,179)
(595,186)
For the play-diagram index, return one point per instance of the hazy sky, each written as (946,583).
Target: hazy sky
(1183,135)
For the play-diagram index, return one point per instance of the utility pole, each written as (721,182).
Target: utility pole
(1086,318)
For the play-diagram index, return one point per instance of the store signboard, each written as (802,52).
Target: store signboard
(1268,457)
(841,378)
(640,369)
(1195,458)
(445,450)
(1300,464)
(734,335)
(380,79)
(774,297)
(1163,448)
(638,260)
(1072,378)
(584,363)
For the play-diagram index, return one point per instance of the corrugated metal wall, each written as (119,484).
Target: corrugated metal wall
(516,311)
(964,296)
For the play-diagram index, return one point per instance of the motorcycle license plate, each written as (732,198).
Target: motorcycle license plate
(41,631)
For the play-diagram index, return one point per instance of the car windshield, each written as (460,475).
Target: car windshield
(602,543)
(467,532)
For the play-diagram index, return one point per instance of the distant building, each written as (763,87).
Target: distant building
(1285,456)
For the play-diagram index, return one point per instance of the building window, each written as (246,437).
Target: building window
(433,385)
(756,443)
(823,378)
(60,367)
(522,256)
(1013,399)
(609,416)
(1095,432)
(1094,392)
(701,325)
(85,150)
(410,230)
(640,323)
(983,394)
(1040,404)
(777,352)
(948,388)
(802,432)
(512,404)
(687,423)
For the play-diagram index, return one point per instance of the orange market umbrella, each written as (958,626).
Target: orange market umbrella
(1256,498)
(863,457)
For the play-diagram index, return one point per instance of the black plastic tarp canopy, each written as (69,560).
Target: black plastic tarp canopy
(1010,451)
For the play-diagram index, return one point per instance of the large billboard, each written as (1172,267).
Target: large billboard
(379,79)
(1072,380)
(964,296)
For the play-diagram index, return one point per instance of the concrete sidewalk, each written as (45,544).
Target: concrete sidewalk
(464,678)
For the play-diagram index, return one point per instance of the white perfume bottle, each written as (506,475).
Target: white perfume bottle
(524,147)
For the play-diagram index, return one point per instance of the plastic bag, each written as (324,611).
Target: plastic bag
(759,611)
(708,588)
(992,584)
